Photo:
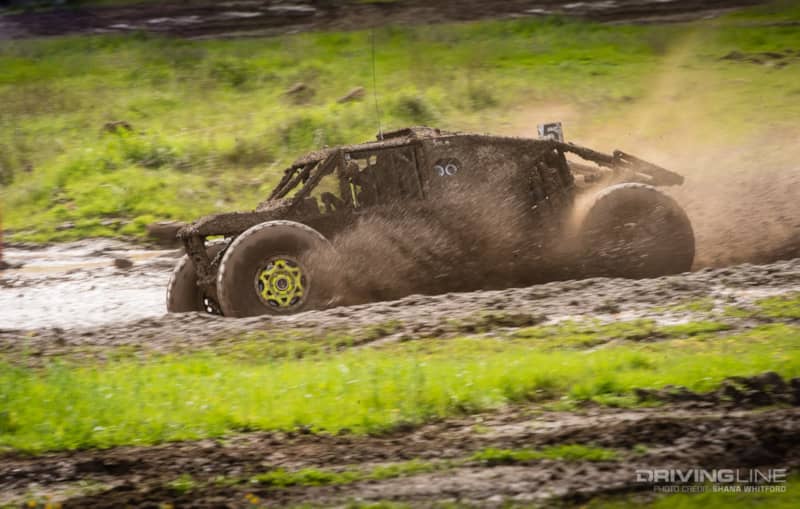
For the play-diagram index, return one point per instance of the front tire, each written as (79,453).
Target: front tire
(636,231)
(265,270)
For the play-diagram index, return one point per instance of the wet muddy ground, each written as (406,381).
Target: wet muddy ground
(239,18)
(673,436)
(80,284)
(73,295)
(111,307)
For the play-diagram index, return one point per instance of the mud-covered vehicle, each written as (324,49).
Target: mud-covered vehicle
(601,214)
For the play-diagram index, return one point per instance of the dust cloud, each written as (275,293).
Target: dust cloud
(742,170)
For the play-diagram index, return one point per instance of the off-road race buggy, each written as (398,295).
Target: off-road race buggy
(625,226)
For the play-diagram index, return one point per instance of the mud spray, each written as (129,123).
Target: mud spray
(742,189)
(742,195)
(465,239)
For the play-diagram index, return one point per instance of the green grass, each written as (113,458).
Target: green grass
(131,401)
(281,478)
(183,484)
(213,127)
(570,452)
(780,308)
(589,333)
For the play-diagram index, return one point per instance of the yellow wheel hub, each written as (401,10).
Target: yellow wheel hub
(281,283)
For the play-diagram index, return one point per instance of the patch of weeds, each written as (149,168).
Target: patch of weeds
(403,469)
(739,312)
(590,333)
(703,305)
(248,153)
(149,153)
(302,132)
(7,422)
(259,346)
(281,478)
(236,73)
(480,429)
(414,108)
(485,322)
(183,484)
(481,97)
(378,331)
(781,307)
(570,452)
(693,329)
(617,400)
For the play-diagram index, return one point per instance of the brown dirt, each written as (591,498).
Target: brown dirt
(266,17)
(676,436)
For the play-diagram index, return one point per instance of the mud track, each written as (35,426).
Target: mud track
(198,19)
(672,436)
(108,308)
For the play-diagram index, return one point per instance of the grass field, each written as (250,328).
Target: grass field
(213,125)
(165,398)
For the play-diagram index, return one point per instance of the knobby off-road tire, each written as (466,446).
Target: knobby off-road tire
(265,272)
(636,231)
(183,294)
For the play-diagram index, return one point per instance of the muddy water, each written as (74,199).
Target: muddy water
(78,284)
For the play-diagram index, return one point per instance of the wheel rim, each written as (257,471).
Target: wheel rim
(281,283)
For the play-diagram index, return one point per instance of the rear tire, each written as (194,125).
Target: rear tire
(636,231)
(265,271)
(183,294)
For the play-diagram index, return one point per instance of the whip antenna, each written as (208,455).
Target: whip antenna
(375,86)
